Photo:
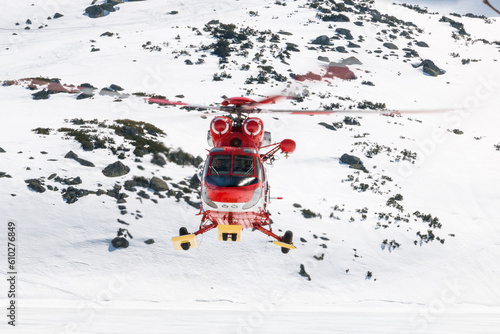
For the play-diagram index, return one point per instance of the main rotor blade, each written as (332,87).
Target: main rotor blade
(179,103)
(269,100)
(350,111)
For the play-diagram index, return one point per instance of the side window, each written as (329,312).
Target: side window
(220,165)
(258,169)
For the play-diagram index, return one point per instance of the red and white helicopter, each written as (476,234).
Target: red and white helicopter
(234,185)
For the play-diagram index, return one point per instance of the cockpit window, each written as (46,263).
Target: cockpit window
(220,165)
(243,165)
(232,171)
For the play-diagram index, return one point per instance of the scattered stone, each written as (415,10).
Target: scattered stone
(351,61)
(149,241)
(41,95)
(303,272)
(143,194)
(158,160)
(58,15)
(82,96)
(430,68)
(36,185)
(71,195)
(344,32)
(116,169)
(2,150)
(4,174)
(391,46)
(74,156)
(422,44)
(323,58)
(122,222)
(120,242)
(322,40)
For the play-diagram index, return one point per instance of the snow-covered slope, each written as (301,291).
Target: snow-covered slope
(409,246)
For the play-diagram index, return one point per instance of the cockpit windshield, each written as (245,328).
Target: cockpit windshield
(232,171)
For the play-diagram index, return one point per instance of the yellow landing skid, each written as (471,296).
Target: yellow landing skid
(230,229)
(282,244)
(188,238)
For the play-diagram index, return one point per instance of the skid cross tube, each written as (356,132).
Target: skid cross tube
(267,232)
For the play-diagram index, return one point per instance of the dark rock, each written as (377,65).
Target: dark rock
(95,12)
(430,68)
(2,150)
(353,45)
(122,222)
(303,272)
(457,25)
(143,194)
(58,15)
(74,156)
(341,49)
(107,34)
(325,59)
(4,174)
(158,184)
(322,40)
(158,160)
(71,195)
(351,61)
(422,44)
(391,46)
(335,18)
(108,92)
(36,185)
(116,169)
(71,181)
(82,96)
(350,159)
(344,32)
(115,88)
(120,242)
(149,241)
(41,95)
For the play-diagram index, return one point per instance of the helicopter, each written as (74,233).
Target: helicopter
(235,192)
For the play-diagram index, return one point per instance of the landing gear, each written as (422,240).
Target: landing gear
(234,236)
(287,239)
(185,245)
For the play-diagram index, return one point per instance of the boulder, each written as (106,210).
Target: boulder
(344,32)
(430,68)
(391,46)
(119,242)
(116,169)
(351,61)
(41,95)
(350,159)
(422,44)
(158,184)
(321,40)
